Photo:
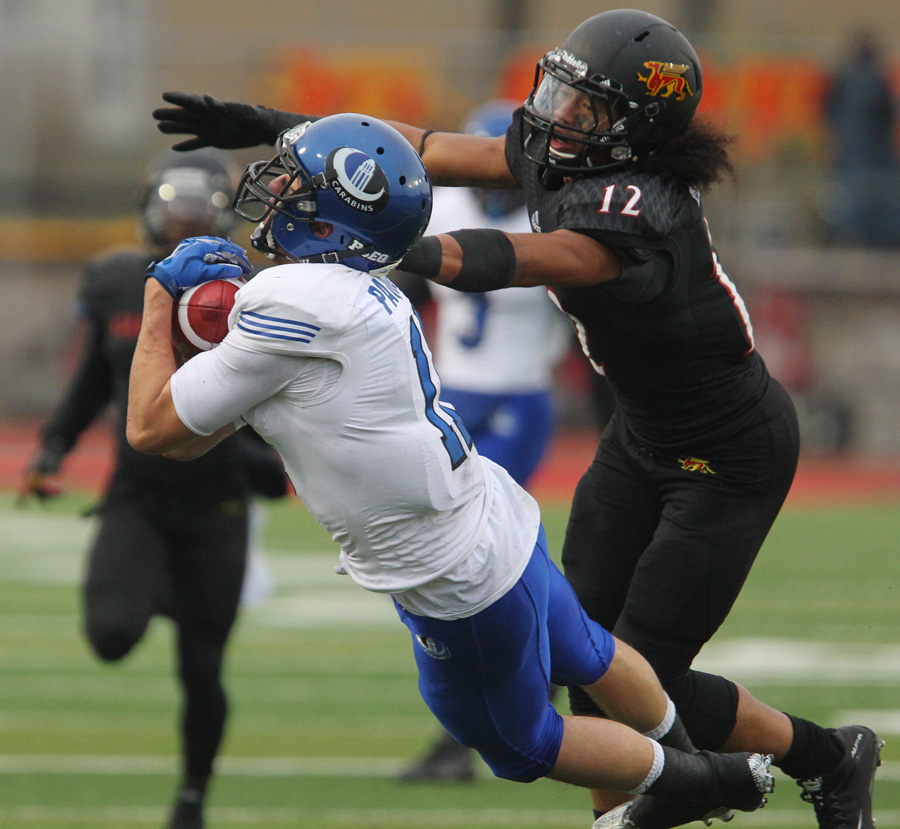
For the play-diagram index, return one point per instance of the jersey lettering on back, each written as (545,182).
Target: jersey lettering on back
(386,293)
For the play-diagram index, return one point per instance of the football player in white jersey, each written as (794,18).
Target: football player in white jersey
(325,358)
(495,353)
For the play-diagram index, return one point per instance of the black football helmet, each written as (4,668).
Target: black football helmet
(195,187)
(622,83)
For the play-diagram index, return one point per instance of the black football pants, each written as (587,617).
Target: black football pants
(658,554)
(185,561)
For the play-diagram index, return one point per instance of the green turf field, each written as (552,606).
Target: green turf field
(323,691)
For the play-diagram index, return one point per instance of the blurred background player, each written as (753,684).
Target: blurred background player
(173,537)
(496,353)
(861,111)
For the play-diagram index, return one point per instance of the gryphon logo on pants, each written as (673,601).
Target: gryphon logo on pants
(435,649)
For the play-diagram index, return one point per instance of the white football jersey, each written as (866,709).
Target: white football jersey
(329,365)
(501,342)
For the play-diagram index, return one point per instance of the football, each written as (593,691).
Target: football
(200,316)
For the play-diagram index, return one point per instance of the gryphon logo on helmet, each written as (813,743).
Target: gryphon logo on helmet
(667,79)
(358,181)
(435,649)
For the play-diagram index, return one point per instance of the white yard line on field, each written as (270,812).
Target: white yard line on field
(800,662)
(137,765)
(45,816)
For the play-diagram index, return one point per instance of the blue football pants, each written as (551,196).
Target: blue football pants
(487,677)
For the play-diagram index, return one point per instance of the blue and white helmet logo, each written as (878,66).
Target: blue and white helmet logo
(434,648)
(358,181)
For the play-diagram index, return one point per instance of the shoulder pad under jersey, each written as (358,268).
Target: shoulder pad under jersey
(298,309)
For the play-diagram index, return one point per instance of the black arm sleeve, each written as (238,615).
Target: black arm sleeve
(88,393)
(282,121)
(423,258)
(488,260)
(414,286)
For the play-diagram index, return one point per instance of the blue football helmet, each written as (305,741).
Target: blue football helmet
(351,189)
(492,119)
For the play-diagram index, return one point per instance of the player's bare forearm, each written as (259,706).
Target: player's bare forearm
(459,160)
(485,260)
(153,426)
(563,258)
(199,445)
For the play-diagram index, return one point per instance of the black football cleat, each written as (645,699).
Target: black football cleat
(447,761)
(663,813)
(843,798)
(187,813)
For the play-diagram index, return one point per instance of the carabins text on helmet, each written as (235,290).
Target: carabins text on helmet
(350,201)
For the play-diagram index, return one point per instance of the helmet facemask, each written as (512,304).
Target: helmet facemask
(294,198)
(580,117)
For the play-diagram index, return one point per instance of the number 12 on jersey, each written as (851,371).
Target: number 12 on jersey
(443,417)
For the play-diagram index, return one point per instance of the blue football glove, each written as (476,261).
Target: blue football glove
(197,260)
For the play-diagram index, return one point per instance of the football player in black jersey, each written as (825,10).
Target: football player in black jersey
(699,456)
(172,537)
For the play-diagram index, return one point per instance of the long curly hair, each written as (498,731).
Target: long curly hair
(698,156)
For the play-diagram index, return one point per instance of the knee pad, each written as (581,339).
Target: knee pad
(200,660)
(707,705)
(110,642)
(201,679)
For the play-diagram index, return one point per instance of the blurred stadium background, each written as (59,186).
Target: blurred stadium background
(325,706)
(81,77)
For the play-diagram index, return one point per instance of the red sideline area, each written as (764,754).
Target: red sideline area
(834,480)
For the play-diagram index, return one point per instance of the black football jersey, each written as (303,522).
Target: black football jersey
(111,299)
(672,334)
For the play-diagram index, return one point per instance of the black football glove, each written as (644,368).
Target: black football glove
(214,123)
(36,481)
(49,457)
